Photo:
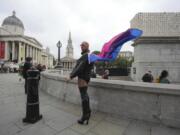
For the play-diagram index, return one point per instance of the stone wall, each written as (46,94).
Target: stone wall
(144,101)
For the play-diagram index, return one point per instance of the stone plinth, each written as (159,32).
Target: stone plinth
(159,47)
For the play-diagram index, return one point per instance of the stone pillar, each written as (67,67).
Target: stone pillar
(35,58)
(13,50)
(19,52)
(6,50)
(30,48)
(29,51)
(37,55)
(32,53)
(26,50)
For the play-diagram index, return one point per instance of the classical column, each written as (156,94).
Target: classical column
(37,55)
(26,49)
(13,50)
(19,52)
(35,58)
(29,51)
(6,50)
(24,52)
(32,53)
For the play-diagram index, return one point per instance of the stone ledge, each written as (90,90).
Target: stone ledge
(125,85)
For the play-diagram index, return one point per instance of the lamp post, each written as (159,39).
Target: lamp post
(59,45)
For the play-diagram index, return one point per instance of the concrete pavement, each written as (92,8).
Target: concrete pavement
(59,118)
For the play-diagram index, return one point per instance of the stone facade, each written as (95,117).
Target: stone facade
(47,58)
(158,48)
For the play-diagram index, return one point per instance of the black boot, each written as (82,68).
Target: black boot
(86,111)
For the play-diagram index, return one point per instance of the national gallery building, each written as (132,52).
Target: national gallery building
(15,46)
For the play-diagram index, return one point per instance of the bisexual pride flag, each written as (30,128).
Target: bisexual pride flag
(112,48)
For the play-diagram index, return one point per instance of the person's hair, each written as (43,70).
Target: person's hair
(87,46)
(85,43)
(164,74)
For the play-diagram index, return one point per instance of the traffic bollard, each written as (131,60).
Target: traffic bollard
(32,105)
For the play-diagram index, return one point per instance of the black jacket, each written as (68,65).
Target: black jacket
(26,67)
(82,68)
(147,78)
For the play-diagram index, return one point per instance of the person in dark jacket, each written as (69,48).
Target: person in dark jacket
(26,67)
(147,77)
(83,71)
(163,77)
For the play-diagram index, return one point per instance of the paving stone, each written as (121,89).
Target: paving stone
(9,129)
(38,130)
(98,116)
(118,120)
(138,128)
(68,132)
(164,131)
(90,133)
(23,125)
(84,128)
(62,121)
(107,128)
(60,118)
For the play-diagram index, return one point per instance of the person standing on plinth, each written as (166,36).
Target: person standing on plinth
(26,67)
(83,71)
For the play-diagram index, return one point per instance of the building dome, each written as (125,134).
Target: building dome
(13,20)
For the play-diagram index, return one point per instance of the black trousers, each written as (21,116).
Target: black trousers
(85,100)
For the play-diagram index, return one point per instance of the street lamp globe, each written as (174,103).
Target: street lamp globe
(59,44)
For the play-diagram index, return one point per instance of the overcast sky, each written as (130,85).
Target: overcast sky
(95,21)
